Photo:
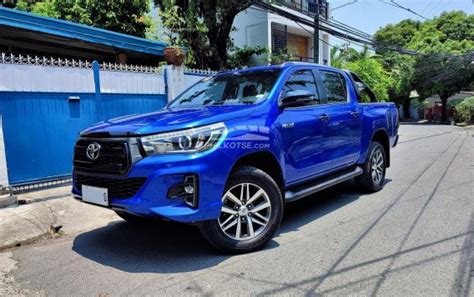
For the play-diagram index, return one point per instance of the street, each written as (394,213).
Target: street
(415,237)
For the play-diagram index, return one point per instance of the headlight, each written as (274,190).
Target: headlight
(185,141)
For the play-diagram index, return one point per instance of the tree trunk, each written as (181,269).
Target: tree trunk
(406,107)
(444,109)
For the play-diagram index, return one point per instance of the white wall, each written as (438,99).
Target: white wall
(254,28)
(32,78)
(251,28)
(131,82)
(179,79)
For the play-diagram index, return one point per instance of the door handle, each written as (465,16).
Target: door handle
(355,114)
(324,118)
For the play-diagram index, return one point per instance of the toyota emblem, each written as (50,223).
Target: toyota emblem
(92,151)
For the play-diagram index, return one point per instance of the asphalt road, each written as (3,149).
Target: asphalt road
(415,237)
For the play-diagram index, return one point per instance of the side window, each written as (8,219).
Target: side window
(302,80)
(335,86)
(365,94)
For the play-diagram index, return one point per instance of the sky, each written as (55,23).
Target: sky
(370,15)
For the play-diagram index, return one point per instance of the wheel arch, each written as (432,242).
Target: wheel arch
(381,136)
(265,161)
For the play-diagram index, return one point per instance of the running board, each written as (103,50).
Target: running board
(321,185)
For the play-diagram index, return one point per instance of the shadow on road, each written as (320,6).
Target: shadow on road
(167,247)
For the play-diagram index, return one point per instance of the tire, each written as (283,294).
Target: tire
(366,180)
(258,218)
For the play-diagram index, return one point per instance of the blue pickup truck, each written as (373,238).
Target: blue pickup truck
(232,150)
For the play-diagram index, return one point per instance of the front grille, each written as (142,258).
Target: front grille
(114,157)
(117,188)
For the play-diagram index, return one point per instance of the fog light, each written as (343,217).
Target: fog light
(189,189)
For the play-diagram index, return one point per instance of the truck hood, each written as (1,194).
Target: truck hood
(167,120)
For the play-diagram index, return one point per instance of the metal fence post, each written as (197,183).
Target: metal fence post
(98,96)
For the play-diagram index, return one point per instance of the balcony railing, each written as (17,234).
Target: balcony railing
(308,7)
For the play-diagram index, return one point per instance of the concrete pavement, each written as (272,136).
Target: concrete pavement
(413,238)
(27,223)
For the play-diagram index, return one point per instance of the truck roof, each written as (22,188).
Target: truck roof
(273,67)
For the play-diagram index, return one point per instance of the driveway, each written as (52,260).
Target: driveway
(415,237)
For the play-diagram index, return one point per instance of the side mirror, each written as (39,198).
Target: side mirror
(297,98)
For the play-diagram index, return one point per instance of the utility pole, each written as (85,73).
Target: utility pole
(321,11)
(316,32)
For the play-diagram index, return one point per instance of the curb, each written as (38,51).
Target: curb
(8,200)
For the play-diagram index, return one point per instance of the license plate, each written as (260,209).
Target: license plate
(95,195)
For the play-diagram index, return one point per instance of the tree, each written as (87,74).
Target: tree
(398,35)
(203,27)
(444,65)
(342,55)
(240,57)
(124,16)
(447,66)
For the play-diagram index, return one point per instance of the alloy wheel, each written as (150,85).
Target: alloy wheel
(377,167)
(246,211)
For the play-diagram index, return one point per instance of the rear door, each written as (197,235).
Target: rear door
(305,137)
(345,121)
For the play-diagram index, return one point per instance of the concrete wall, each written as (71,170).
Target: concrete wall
(179,78)
(254,28)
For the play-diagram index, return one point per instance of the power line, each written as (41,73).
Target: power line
(342,31)
(426,7)
(443,7)
(395,4)
(434,8)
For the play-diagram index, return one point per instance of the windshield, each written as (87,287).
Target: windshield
(231,89)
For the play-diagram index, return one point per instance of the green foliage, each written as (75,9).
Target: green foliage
(278,58)
(397,35)
(241,57)
(124,16)
(465,110)
(445,65)
(343,55)
(203,27)
(401,69)
(372,73)
(368,68)
(21,5)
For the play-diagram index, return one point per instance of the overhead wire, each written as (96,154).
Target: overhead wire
(397,5)
(343,31)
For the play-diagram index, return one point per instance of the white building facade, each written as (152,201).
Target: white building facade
(257,27)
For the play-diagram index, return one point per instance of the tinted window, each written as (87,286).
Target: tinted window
(335,86)
(229,89)
(302,80)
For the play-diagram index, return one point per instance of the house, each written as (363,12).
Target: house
(257,27)
(29,34)
(432,105)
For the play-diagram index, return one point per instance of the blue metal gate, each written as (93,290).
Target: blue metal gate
(41,121)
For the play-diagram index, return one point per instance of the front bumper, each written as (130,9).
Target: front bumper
(163,172)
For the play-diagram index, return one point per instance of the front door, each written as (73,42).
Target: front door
(304,134)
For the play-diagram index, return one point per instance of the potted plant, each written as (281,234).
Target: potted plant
(174,55)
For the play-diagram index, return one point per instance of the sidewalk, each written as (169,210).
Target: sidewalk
(26,223)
